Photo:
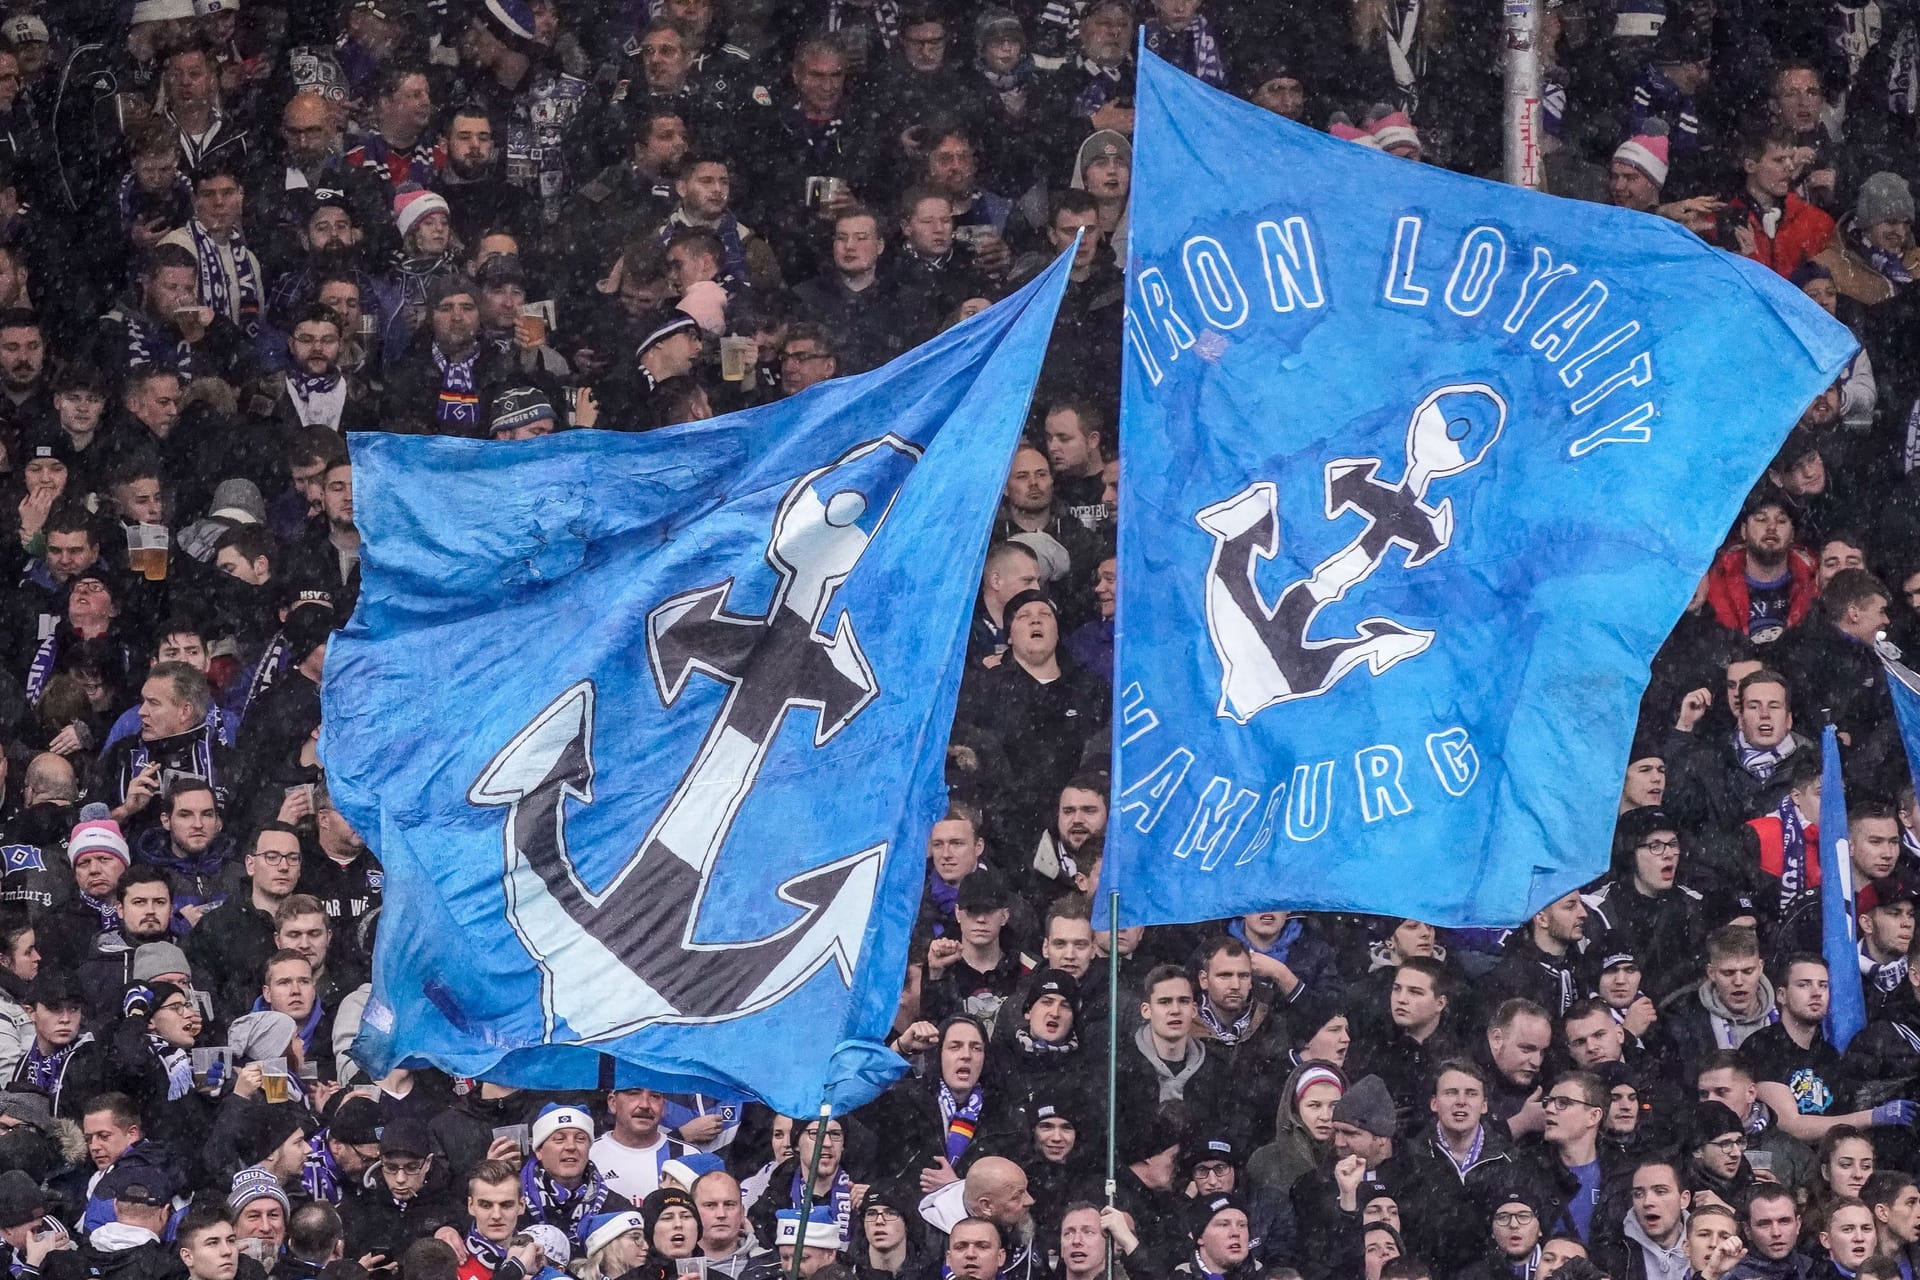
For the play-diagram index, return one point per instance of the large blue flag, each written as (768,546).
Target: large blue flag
(648,730)
(1418,471)
(1904,685)
(1846,1002)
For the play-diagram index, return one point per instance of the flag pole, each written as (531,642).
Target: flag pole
(806,1187)
(1113,1050)
(1521,109)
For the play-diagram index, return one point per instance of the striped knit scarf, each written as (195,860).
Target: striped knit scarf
(216,289)
(963,1119)
(1193,49)
(459,404)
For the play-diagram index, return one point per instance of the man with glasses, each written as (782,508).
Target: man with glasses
(1715,1140)
(407,1198)
(834,1190)
(807,356)
(1565,1157)
(1642,909)
(339,1156)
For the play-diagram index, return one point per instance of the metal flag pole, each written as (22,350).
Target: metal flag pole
(1520,111)
(1113,1050)
(806,1187)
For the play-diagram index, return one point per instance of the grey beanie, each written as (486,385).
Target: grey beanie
(1367,1105)
(1884,197)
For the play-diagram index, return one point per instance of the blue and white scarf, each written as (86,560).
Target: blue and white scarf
(1762,761)
(108,913)
(547,1201)
(177,1063)
(1793,849)
(840,1196)
(484,1251)
(1193,49)
(1887,264)
(216,290)
(43,1070)
(319,1174)
(1461,1166)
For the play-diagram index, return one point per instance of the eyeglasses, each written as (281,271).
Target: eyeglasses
(405,1168)
(1513,1217)
(1560,1102)
(1660,846)
(277,857)
(881,1213)
(1731,1146)
(833,1135)
(174,1006)
(799,357)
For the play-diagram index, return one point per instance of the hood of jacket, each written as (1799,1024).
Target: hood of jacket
(1762,1006)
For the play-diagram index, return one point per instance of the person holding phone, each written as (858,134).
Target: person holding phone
(25,1228)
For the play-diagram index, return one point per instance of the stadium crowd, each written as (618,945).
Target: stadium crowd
(234,231)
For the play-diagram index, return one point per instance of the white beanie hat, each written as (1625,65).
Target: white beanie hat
(554,1117)
(411,206)
(162,10)
(609,1227)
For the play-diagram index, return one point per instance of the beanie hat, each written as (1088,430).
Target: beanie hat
(1647,152)
(1707,1121)
(99,835)
(440,288)
(510,20)
(553,1117)
(662,1200)
(1198,1151)
(253,1036)
(254,1183)
(690,1168)
(356,1121)
(603,1229)
(1052,982)
(1057,1103)
(411,206)
(1395,129)
(822,1231)
(268,1128)
(1884,197)
(162,10)
(1343,128)
(1311,1009)
(553,1243)
(21,1199)
(238,501)
(1367,1106)
(1021,599)
(151,959)
(706,302)
(1203,1212)
(1317,1074)
(24,28)
(518,406)
(207,8)
(664,325)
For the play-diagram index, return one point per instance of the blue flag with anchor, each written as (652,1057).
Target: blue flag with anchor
(1418,471)
(649,730)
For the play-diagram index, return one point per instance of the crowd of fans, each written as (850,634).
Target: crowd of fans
(234,231)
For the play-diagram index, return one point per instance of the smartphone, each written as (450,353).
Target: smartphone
(1760,1161)
(522,1138)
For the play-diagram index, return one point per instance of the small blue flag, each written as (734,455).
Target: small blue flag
(1904,685)
(649,730)
(1846,1003)
(1419,470)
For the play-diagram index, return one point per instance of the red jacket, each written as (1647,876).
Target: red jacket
(1727,588)
(1773,850)
(1804,231)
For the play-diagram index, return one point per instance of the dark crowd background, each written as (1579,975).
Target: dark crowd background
(234,231)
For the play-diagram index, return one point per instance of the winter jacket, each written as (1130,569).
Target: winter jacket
(1698,1022)
(1727,586)
(1667,932)
(1275,1167)
(1802,232)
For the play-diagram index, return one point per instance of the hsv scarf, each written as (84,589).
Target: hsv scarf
(962,1119)
(1193,49)
(1762,761)
(459,404)
(1793,849)
(547,1201)
(237,295)
(1227,1034)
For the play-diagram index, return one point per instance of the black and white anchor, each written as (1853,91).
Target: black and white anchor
(1266,654)
(628,952)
